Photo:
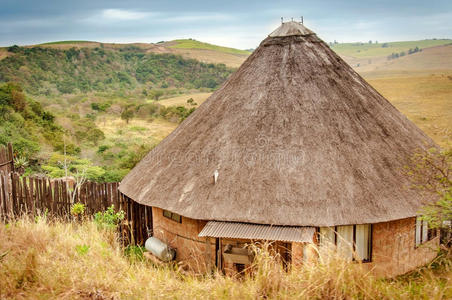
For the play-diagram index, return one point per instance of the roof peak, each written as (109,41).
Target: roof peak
(291,28)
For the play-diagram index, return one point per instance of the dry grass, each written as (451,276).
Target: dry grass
(137,130)
(212,56)
(199,98)
(39,260)
(4,53)
(425,99)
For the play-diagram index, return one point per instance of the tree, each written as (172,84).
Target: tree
(127,114)
(431,172)
(18,100)
(156,94)
(191,102)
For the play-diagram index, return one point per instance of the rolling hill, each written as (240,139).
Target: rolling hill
(45,71)
(188,48)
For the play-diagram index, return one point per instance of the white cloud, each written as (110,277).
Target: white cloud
(197,17)
(123,15)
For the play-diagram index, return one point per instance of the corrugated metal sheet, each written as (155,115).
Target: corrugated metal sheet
(257,232)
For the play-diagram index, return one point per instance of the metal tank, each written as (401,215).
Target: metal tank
(160,249)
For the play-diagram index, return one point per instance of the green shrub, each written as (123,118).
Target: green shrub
(134,252)
(109,219)
(77,209)
(82,249)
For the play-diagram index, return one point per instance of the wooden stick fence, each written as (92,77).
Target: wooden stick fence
(6,159)
(41,195)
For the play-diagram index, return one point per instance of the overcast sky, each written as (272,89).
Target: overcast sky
(240,24)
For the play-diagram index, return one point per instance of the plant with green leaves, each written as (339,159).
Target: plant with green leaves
(82,249)
(109,219)
(431,172)
(134,252)
(78,209)
(20,164)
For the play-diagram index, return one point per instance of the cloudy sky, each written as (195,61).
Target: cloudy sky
(240,24)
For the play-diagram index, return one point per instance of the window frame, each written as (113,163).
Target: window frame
(370,240)
(172,216)
(430,234)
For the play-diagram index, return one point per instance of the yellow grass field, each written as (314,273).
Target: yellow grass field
(426,99)
(139,131)
(182,100)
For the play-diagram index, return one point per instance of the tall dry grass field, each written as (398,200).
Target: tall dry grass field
(50,260)
(426,99)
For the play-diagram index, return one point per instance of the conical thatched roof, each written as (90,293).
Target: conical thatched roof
(297,138)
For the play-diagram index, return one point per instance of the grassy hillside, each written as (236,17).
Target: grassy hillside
(66,42)
(424,99)
(194,44)
(25,123)
(43,260)
(189,49)
(48,71)
(384,49)
(434,60)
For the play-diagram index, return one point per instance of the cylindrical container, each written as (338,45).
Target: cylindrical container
(159,249)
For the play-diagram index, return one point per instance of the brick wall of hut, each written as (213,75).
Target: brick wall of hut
(192,251)
(393,246)
(394,251)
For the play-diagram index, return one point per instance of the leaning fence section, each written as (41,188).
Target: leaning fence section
(54,198)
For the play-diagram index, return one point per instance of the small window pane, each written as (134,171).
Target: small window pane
(167,214)
(424,231)
(176,217)
(345,241)
(363,241)
(326,236)
(418,231)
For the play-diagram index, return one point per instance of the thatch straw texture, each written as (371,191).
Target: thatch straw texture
(297,137)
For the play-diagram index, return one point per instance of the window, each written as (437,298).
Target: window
(173,216)
(363,241)
(349,239)
(423,233)
(239,267)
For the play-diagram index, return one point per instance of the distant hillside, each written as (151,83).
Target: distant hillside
(194,44)
(188,48)
(429,59)
(46,70)
(367,50)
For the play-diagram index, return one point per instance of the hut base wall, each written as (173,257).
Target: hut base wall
(393,248)
(194,253)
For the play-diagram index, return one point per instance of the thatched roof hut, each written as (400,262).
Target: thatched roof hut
(294,137)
